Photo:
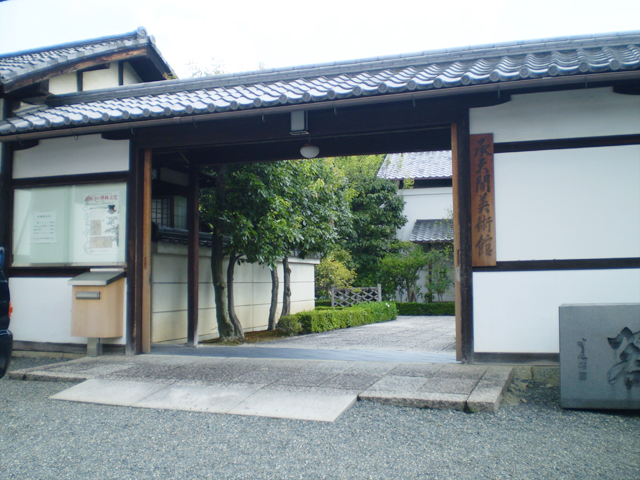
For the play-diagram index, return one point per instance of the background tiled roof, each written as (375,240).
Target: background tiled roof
(14,66)
(427,231)
(441,69)
(416,165)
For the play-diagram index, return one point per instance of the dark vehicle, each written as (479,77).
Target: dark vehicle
(6,338)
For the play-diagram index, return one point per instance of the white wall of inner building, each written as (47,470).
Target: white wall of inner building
(424,204)
(252,288)
(564,114)
(518,311)
(72,156)
(567,204)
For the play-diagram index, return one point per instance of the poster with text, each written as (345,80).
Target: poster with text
(101,224)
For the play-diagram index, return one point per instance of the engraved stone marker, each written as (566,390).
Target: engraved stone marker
(600,356)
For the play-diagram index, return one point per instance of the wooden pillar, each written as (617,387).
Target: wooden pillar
(6,200)
(138,251)
(462,237)
(193,226)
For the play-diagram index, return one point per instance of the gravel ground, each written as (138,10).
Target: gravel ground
(530,437)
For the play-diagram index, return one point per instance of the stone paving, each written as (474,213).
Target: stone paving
(308,389)
(407,333)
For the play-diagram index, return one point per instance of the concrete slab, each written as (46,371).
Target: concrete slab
(442,401)
(197,399)
(295,405)
(108,392)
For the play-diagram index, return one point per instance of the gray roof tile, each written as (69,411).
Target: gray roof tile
(14,66)
(441,69)
(432,231)
(416,165)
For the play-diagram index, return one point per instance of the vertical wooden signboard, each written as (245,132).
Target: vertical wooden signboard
(483,225)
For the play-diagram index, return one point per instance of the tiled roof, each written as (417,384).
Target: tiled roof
(416,165)
(15,66)
(431,231)
(514,62)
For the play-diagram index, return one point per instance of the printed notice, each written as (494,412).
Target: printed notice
(43,227)
(102,224)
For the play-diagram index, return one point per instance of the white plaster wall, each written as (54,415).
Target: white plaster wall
(42,311)
(424,204)
(96,79)
(568,204)
(70,156)
(564,114)
(518,311)
(65,83)
(252,288)
(129,75)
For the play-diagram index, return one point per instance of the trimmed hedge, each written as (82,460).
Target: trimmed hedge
(442,308)
(323,303)
(322,320)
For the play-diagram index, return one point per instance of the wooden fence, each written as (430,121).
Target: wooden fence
(347,297)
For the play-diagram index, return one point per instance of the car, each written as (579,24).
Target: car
(6,337)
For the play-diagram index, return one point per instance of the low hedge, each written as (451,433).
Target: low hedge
(323,303)
(442,308)
(324,319)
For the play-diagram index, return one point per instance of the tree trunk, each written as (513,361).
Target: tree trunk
(226,329)
(286,299)
(233,318)
(274,298)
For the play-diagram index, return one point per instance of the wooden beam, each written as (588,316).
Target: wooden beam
(193,227)
(134,252)
(456,239)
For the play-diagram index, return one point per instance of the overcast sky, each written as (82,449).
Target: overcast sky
(282,33)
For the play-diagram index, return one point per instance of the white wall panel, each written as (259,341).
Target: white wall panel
(517,312)
(567,204)
(41,310)
(65,83)
(68,156)
(565,114)
(97,79)
(424,204)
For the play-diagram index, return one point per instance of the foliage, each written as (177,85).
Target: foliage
(332,272)
(269,210)
(331,319)
(444,308)
(376,215)
(323,303)
(439,272)
(290,325)
(400,271)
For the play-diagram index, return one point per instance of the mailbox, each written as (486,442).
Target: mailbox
(98,304)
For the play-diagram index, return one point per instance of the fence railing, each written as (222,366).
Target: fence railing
(347,297)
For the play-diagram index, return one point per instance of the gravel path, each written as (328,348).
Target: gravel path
(419,333)
(42,439)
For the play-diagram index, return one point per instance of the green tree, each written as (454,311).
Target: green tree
(439,276)
(377,213)
(333,272)
(400,271)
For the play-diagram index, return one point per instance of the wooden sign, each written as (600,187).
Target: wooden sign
(483,225)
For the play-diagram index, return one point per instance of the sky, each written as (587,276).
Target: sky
(243,35)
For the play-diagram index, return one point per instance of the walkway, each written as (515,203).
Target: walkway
(282,381)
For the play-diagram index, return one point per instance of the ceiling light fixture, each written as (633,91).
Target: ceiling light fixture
(309,151)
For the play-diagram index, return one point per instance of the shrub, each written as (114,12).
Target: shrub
(323,303)
(324,319)
(289,324)
(444,308)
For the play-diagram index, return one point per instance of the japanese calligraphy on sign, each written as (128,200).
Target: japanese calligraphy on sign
(627,348)
(483,226)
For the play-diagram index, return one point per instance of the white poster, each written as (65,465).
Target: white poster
(43,227)
(101,224)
